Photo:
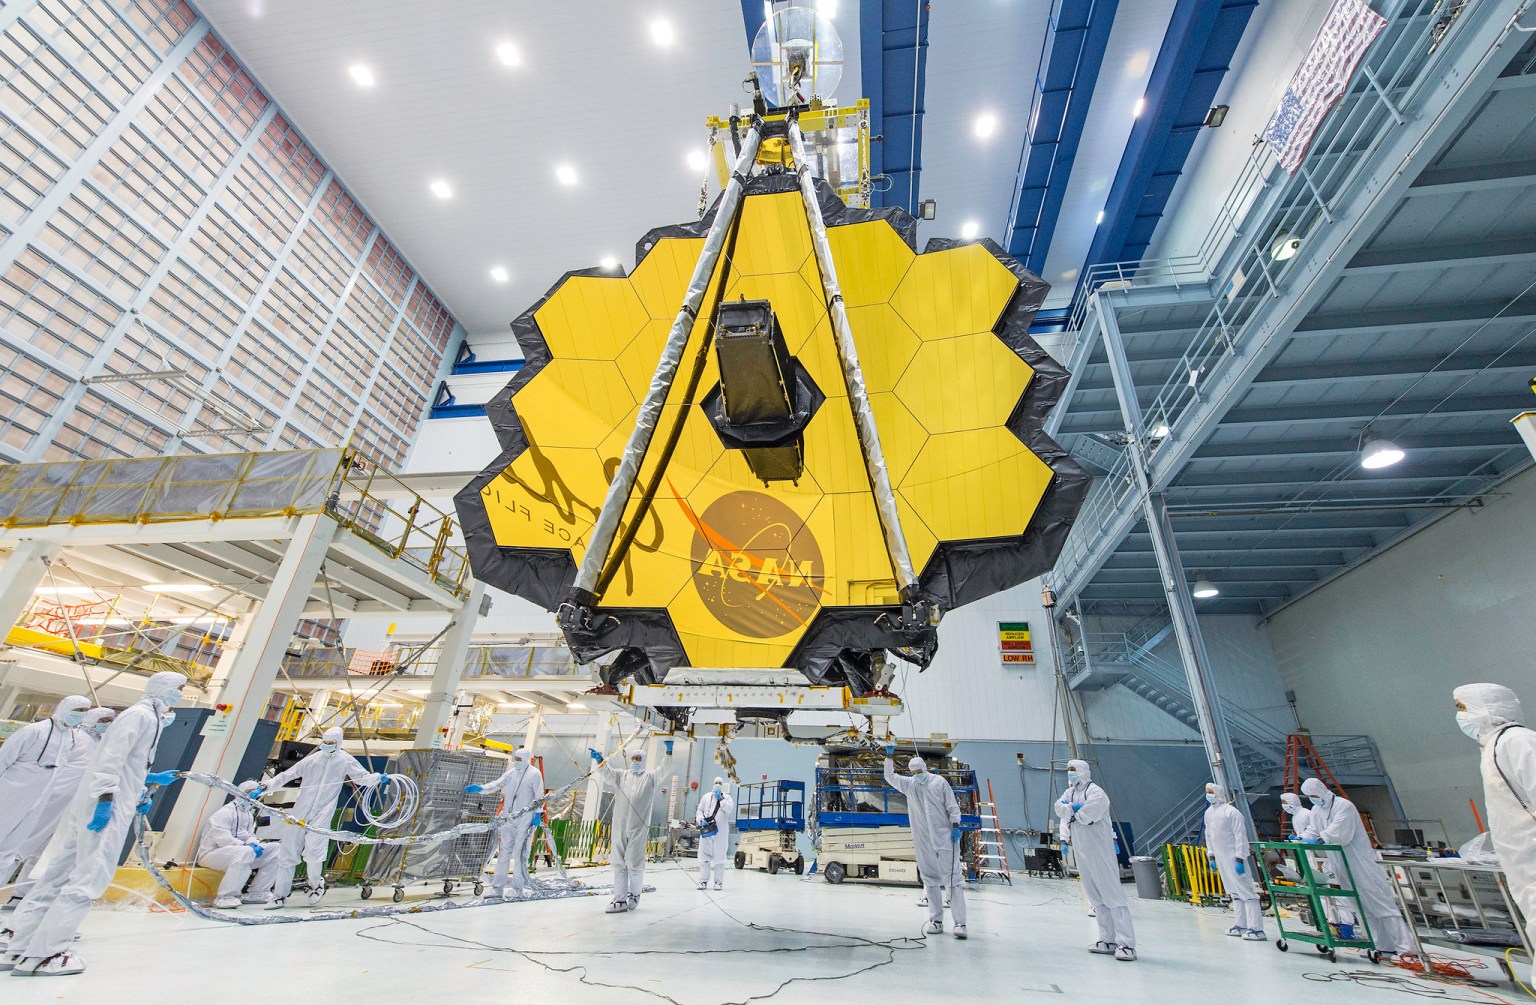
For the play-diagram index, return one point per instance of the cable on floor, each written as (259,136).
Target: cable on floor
(1447,991)
(1511,965)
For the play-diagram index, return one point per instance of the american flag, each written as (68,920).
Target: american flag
(1321,80)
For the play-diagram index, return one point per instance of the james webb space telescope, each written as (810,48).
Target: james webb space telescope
(765,462)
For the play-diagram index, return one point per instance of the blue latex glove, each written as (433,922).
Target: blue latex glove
(954,834)
(1312,841)
(1076,807)
(383,778)
(890,750)
(258,849)
(1212,860)
(160,777)
(1294,839)
(1242,867)
(100,817)
(473,789)
(595,755)
(668,745)
(142,808)
(256,793)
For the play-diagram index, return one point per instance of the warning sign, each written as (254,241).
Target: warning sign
(1015,643)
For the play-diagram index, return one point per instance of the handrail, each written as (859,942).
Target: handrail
(1265,205)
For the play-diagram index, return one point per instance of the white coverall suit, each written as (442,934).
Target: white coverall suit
(522,786)
(1338,822)
(1226,842)
(634,792)
(226,845)
(1092,835)
(84,862)
(1493,718)
(65,781)
(34,774)
(320,774)
(716,803)
(934,813)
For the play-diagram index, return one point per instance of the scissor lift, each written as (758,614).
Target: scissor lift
(769,815)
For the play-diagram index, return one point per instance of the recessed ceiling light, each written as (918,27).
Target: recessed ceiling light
(662,33)
(441,189)
(1141,106)
(575,706)
(1098,219)
(508,54)
(565,174)
(986,124)
(697,160)
(361,74)
(64,591)
(609,263)
(499,274)
(969,229)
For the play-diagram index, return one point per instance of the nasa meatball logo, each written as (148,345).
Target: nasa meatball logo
(756,565)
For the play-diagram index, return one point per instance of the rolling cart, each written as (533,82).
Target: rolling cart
(768,817)
(1295,882)
(441,776)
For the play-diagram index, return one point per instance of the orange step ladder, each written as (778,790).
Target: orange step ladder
(990,856)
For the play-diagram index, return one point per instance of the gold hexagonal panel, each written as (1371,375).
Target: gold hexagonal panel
(713,567)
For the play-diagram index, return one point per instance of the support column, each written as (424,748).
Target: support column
(1181,605)
(450,668)
(248,680)
(594,787)
(24,571)
(531,736)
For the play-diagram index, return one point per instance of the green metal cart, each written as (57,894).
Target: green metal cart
(1310,894)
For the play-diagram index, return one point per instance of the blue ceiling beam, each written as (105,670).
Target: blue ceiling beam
(893,52)
(752,17)
(1069,70)
(1197,51)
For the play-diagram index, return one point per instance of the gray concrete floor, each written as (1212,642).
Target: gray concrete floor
(764,938)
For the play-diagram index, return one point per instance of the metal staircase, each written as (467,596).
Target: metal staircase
(1099,660)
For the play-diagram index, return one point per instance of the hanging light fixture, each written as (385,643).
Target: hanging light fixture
(1284,247)
(1376,451)
(1204,588)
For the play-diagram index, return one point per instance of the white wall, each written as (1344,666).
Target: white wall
(1379,650)
(1278,35)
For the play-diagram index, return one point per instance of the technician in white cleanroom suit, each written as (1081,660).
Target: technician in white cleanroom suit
(634,791)
(1338,822)
(30,762)
(1085,823)
(935,817)
(43,928)
(1301,818)
(1226,844)
(320,775)
(523,788)
(229,845)
(65,781)
(715,809)
(1490,714)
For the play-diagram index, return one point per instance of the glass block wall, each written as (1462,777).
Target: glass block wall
(179,270)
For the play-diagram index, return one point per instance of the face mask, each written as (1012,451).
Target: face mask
(1316,801)
(1292,808)
(100,728)
(173,699)
(1072,777)
(1210,797)
(1468,724)
(73,718)
(718,790)
(167,718)
(327,748)
(637,766)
